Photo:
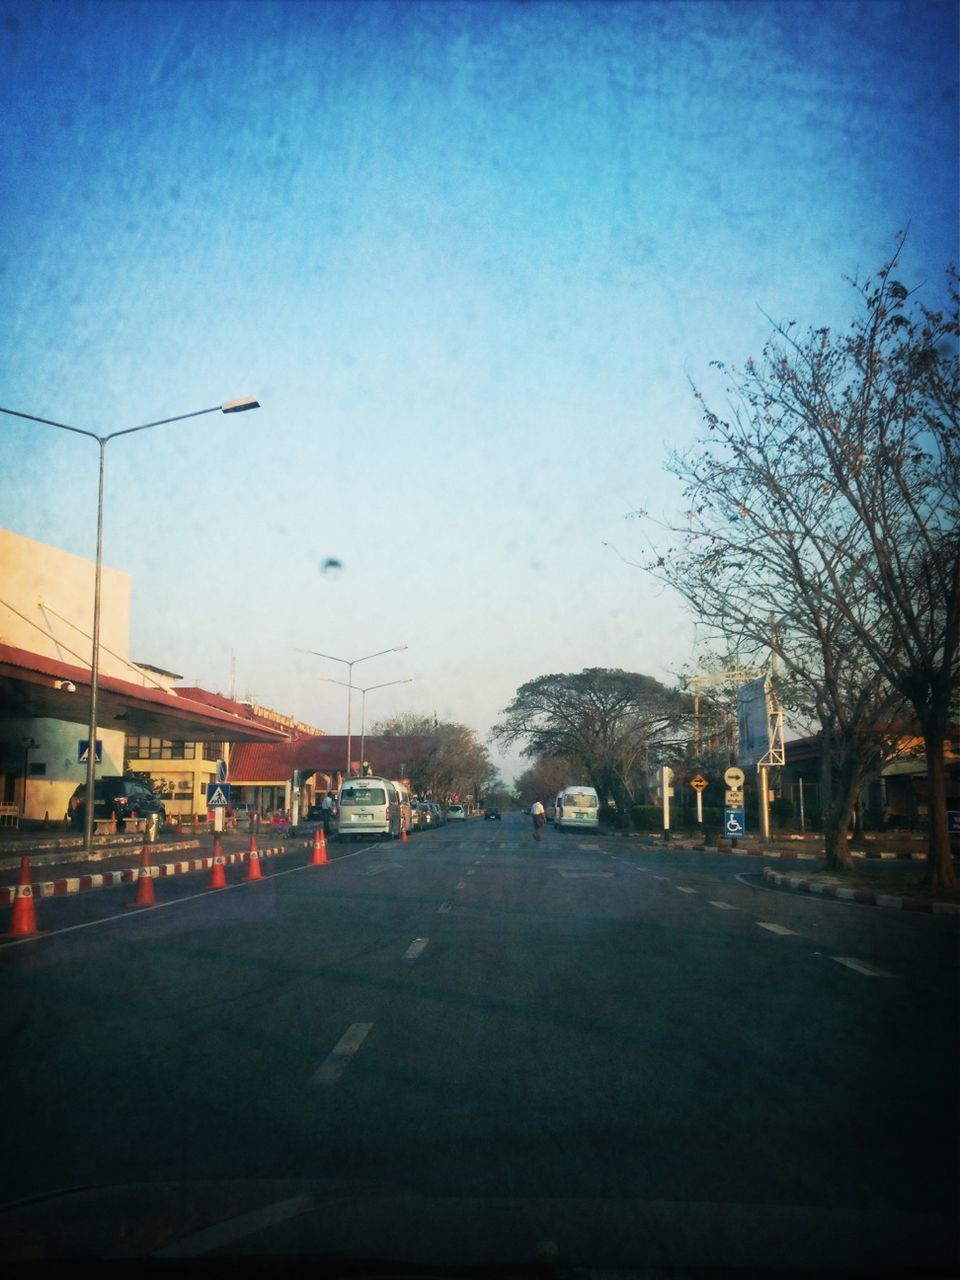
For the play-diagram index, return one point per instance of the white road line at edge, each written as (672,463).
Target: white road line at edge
(778,929)
(722,906)
(334,1065)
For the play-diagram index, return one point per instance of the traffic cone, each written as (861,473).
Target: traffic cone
(319,849)
(403,836)
(145,896)
(254,870)
(23,922)
(218,879)
(253,840)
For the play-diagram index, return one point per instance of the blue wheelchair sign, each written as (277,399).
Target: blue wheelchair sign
(734,823)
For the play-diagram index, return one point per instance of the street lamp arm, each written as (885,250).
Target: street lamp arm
(228,406)
(49,422)
(396,649)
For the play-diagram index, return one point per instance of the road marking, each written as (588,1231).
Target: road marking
(444,907)
(680,889)
(381,867)
(471,872)
(777,928)
(661,877)
(723,906)
(584,875)
(333,1067)
(462,884)
(591,847)
(416,948)
(859,966)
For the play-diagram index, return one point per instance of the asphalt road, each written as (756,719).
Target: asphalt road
(473,1048)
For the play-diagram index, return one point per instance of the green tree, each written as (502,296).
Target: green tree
(606,720)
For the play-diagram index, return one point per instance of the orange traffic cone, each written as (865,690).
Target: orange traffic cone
(145,897)
(253,840)
(319,849)
(403,836)
(218,879)
(254,871)
(23,922)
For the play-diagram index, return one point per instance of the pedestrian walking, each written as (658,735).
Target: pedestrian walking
(538,813)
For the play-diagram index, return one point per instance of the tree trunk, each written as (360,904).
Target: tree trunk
(836,836)
(940,872)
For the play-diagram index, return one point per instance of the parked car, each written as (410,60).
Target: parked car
(439,817)
(491,812)
(456,813)
(118,798)
(427,816)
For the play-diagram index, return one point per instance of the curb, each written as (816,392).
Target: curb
(129,875)
(777,880)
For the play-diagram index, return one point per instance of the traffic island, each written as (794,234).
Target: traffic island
(896,888)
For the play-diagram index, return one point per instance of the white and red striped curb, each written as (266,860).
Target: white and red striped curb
(867,896)
(129,875)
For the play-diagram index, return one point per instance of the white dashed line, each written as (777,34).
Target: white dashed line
(859,966)
(415,949)
(462,884)
(722,906)
(471,872)
(777,928)
(444,907)
(337,1062)
(661,877)
(682,889)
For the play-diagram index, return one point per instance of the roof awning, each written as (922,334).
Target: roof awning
(45,688)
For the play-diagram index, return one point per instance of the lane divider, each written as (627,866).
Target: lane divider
(340,1057)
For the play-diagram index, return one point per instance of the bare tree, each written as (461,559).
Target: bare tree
(829,497)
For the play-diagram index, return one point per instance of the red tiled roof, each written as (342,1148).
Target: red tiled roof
(253,762)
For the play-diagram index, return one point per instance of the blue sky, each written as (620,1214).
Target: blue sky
(467,256)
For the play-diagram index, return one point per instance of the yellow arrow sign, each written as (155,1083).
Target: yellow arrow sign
(699,783)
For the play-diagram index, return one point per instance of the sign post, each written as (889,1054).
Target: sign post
(734,811)
(218,799)
(699,784)
(666,779)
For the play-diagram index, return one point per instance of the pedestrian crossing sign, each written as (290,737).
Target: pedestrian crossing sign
(218,795)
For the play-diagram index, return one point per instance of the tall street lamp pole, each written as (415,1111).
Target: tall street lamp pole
(363,703)
(228,406)
(350,663)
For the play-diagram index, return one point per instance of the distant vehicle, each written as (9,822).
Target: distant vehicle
(577,807)
(368,807)
(439,816)
(118,798)
(456,813)
(427,816)
(491,812)
(414,814)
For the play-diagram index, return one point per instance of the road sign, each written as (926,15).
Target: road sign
(83,751)
(699,783)
(218,795)
(734,823)
(221,770)
(734,779)
(734,800)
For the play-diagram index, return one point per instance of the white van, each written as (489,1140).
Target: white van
(577,807)
(368,807)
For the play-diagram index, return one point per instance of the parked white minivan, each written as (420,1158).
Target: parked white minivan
(368,807)
(577,807)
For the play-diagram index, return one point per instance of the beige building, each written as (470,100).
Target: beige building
(46,627)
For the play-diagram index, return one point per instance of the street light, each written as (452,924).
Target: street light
(228,406)
(350,663)
(363,702)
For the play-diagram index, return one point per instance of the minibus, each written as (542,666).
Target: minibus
(368,807)
(577,807)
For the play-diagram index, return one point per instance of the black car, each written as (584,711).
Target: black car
(116,797)
(491,813)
